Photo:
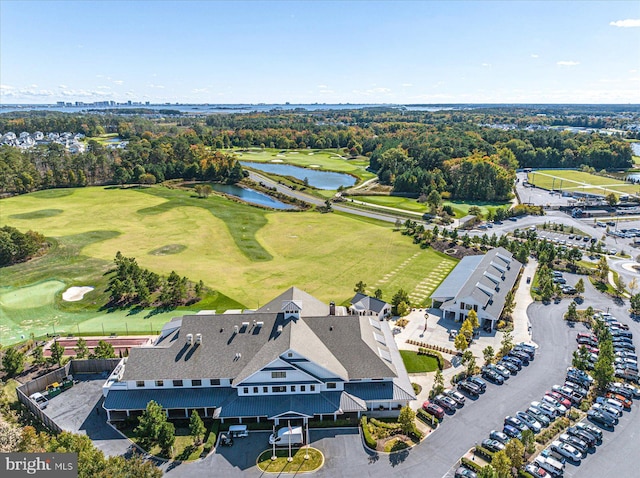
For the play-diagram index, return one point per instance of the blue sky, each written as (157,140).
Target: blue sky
(326,52)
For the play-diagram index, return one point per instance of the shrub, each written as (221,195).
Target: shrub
(417,388)
(427,418)
(471,464)
(368,439)
(483,453)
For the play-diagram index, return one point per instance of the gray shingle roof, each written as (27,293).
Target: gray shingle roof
(368,303)
(311,307)
(210,397)
(345,345)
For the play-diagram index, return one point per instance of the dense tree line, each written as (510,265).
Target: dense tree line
(134,285)
(414,151)
(16,246)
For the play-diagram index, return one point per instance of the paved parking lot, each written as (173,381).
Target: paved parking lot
(79,410)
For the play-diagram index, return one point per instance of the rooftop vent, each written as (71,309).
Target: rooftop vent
(198,338)
(236,329)
(245,325)
(331,327)
(259,324)
(189,339)
(279,329)
(238,356)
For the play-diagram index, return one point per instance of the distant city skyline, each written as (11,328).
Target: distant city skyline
(359,52)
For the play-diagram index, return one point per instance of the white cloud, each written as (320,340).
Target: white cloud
(63,87)
(373,91)
(6,87)
(407,85)
(323,86)
(200,90)
(628,23)
(567,63)
(535,55)
(118,82)
(486,65)
(155,86)
(12,92)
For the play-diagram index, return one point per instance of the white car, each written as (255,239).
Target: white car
(566,450)
(548,410)
(555,404)
(40,400)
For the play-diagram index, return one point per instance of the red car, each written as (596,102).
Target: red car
(435,410)
(560,399)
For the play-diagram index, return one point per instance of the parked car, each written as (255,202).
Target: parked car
(602,419)
(577,388)
(455,396)
(560,399)
(555,404)
(575,442)
(580,374)
(512,432)
(469,387)
(594,430)
(481,384)
(607,410)
(621,392)
(536,471)
(463,472)
(583,435)
(631,388)
(523,355)
(545,408)
(435,410)
(492,445)
(516,423)
(446,403)
(511,367)
(500,436)
(566,450)
(552,466)
(528,420)
(627,374)
(611,402)
(492,376)
(501,370)
(571,395)
(514,360)
(539,416)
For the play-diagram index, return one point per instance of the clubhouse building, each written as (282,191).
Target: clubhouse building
(479,283)
(294,359)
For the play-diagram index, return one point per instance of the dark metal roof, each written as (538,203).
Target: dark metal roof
(382,390)
(210,397)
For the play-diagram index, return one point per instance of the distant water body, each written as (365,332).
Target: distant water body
(218,108)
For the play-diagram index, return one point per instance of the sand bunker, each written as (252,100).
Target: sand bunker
(74,294)
(277,161)
(314,165)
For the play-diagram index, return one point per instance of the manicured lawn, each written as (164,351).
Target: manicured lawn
(570,180)
(183,448)
(246,254)
(460,208)
(418,363)
(298,465)
(326,159)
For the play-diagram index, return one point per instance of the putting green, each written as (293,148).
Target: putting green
(32,296)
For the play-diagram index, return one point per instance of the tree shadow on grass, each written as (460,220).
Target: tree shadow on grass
(159,310)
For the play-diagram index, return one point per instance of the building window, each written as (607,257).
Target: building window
(475,307)
(265,389)
(290,355)
(196,383)
(293,388)
(331,385)
(159,383)
(302,388)
(278,374)
(462,305)
(255,389)
(215,382)
(278,389)
(312,388)
(177,383)
(245,390)
(140,383)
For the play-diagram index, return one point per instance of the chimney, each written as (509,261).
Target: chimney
(332,308)
(198,339)
(189,339)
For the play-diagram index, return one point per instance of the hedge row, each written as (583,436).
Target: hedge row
(483,453)
(434,354)
(378,423)
(558,425)
(471,464)
(368,439)
(432,347)
(427,418)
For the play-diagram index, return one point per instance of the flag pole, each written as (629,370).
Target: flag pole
(273,453)
(289,459)
(306,455)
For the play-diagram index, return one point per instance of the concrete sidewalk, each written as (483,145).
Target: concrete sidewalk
(523,299)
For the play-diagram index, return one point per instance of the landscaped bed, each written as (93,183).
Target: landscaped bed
(297,465)
(387,436)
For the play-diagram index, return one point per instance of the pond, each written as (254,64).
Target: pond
(251,196)
(635,147)
(318,179)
